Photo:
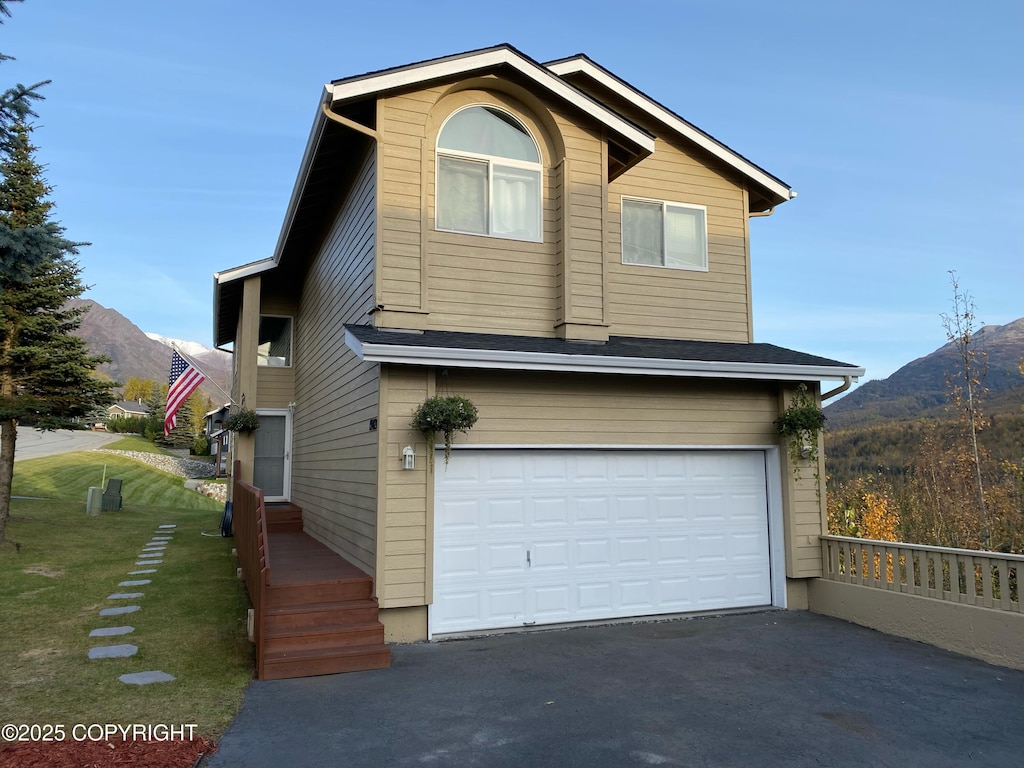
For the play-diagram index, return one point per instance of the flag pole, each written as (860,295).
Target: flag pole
(194,364)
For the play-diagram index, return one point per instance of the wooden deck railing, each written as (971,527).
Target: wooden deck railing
(249,520)
(974,577)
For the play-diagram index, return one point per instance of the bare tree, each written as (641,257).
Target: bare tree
(965,385)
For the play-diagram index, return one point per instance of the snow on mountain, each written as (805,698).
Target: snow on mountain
(193,348)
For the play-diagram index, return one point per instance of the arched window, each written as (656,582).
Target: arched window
(488,176)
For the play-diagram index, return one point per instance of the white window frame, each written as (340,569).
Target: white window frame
(291,342)
(490,160)
(664,232)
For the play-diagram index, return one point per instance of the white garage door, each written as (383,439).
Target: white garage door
(537,536)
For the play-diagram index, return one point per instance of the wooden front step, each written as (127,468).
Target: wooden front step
(325,636)
(283,517)
(341,590)
(313,615)
(320,616)
(322,661)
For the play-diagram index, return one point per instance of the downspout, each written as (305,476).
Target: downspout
(755,214)
(326,109)
(847,383)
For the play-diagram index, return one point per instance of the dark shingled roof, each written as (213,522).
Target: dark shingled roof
(616,346)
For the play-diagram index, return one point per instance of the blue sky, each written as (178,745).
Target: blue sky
(172,133)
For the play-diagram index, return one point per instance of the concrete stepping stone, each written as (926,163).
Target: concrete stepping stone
(135,583)
(156,545)
(125,595)
(119,610)
(139,573)
(111,631)
(146,678)
(113,651)
(163,538)
(151,554)
(145,562)
(171,525)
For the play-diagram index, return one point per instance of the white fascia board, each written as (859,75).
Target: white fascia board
(744,166)
(246,270)
(554,362)
(456,66)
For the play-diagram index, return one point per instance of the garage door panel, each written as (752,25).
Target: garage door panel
(537,536)
(592,510)
(506,513)
(671,506)
(551,511)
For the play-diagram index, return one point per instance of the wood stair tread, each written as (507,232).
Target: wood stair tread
(308,654)
(336,605)
(322,629)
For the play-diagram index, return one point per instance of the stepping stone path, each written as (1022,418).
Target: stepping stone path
(145,678)
(113,651)
(151,555)
(111,631)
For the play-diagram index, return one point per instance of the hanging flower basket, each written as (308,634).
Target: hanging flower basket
(243,420)
(801,424)
(447,415)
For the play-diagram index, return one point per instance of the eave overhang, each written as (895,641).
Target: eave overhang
(403,348)
(778,190)
(227,297)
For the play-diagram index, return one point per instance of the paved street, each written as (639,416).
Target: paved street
(763,689)
(33,444)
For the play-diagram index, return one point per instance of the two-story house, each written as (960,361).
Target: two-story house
(573,257)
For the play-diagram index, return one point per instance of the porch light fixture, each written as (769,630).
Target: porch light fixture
(408,458)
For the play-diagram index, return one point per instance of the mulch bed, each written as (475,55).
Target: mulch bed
(114,753)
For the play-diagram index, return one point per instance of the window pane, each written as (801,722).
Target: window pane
(275,342)
(462,195)
(684,237)
(516,203)
(641,232)
(487,131)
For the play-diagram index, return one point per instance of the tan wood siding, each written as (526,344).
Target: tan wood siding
(475,283)
(334,457)
(405,523)
(679,303)
(522,408)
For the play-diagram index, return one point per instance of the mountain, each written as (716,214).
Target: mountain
(919,388)
(134,353)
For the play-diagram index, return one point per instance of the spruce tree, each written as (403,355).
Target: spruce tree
(21,249)
(46,372)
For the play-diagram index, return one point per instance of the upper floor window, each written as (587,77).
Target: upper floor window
(488,176)
(663,234)
(275,342)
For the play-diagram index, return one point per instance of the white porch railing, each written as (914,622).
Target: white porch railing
(973,577)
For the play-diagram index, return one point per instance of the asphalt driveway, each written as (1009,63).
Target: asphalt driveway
(764,689)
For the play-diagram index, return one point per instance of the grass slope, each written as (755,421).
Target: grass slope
(192,618)
(69,475)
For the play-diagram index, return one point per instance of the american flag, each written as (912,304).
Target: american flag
(182,382)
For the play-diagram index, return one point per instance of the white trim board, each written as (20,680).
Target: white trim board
(550,361)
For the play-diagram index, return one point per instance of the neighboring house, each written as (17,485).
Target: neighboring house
(573,257)
(220,438)
(127,409)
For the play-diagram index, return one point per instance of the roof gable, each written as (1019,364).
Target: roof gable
(779,191)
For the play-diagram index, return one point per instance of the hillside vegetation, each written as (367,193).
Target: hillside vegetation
(900,453)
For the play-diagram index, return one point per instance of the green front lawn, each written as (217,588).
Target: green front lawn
(69,475)
(192,619)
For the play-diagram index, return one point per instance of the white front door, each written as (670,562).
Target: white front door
(539,536)
(272,460)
